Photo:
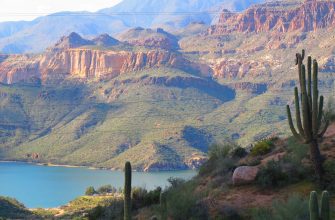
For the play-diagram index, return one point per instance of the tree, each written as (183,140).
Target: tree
(90,191)
(310,121)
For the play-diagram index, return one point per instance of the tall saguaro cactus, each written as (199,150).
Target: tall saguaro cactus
(163,206)
(310,119)
(314,212)
(127,191)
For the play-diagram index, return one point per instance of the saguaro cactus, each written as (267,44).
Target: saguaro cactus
(310,119)
(314,212)
(163,206)
(127,191)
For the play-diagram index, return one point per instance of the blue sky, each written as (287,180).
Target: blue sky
(14,10)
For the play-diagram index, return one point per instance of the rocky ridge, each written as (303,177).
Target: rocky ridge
(310,15)
(71,57)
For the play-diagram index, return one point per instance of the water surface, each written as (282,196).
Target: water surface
(46,187)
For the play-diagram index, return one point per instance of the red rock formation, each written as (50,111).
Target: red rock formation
(241,68)
(87,64)
(308,16)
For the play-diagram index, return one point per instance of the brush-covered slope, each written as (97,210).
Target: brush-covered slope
(12,209)
(104,124)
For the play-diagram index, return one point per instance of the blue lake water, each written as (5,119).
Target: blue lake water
(47,187)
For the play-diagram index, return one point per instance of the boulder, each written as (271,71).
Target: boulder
(245,175)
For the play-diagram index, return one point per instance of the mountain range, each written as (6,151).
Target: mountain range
(35,36)
(161,97)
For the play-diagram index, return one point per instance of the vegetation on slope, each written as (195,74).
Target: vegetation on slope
(104,124)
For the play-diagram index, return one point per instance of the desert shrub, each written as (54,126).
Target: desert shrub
(271,175)
(221,159)
(261,214)
(254,162)
(96,213)
(239,152)
(262,147)
(175,182)
(141,197)
(296,151)
(330,109)
(228,213)
(106,189)
(219,151)
(329,178)
(90,191)
(184,203)
(295,208)
(329,166)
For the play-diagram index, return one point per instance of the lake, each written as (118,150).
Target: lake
(48,187)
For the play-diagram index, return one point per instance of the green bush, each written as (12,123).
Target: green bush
(330,109)
(106,189)
(219,151)
(329,178)
(271,175)
(222,159)
(239,152)
(296,151)
(141,197)
(262,147)
(183,203)
(175,182)
(295,208)
(90,191)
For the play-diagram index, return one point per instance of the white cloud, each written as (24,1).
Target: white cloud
(14,10)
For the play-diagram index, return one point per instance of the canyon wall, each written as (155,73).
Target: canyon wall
(87,64)
(308,16)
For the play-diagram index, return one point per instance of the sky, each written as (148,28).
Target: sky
(16,10)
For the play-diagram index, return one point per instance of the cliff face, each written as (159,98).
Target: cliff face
(308,16)
(86,64)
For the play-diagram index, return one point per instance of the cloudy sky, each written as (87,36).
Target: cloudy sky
(14,10)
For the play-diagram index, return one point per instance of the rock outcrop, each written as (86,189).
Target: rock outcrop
(230,68)
(244,175)
(278,17)
(87,64)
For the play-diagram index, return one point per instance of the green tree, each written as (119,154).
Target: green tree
(90,191)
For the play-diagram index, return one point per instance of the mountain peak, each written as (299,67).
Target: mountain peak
(151,38)
(105,40)
(73,40)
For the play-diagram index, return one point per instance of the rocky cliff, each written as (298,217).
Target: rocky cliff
(310,15)
(86,64)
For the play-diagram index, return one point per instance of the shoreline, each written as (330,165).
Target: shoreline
(56,165)
(87,167)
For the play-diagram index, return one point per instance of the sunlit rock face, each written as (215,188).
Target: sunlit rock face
(307,16)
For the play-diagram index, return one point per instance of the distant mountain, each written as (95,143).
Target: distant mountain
(39,34)
(175,13)
(150,38)
(309,16)
(34,36)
